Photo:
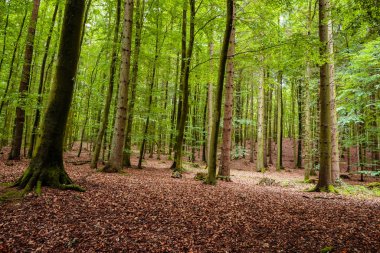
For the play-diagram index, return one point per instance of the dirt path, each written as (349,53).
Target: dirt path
(148,211)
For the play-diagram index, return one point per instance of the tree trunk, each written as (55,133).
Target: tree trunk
(46,168)
(324,182)
(135,71)
(279,165)
(260,157)
(24,85)
(115,163)
(224,171)
(211,177)
(300,132)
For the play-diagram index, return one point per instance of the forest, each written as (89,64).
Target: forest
(190,126)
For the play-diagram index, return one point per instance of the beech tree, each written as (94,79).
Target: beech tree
(46,168)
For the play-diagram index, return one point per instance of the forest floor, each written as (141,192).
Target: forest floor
(148,211)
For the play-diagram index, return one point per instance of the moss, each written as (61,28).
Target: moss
(327,249)
(201,176)
(210,181)
(10,195)
(328,189)
(373,185)
(225,178)
(359,190)
(9,184)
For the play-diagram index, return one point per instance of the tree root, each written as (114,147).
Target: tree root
(328,189)
(35,177)
(109,169)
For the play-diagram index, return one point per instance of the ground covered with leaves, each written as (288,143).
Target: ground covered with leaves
(148,211)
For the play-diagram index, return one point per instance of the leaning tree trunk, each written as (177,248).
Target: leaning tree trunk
(211,177)
(46,168)
(115,163)
(107,105)
(324,182)
(24,84)
(224,171)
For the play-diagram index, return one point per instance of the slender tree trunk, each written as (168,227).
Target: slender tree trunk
(335,169)
(11,68)
(210,92)
(107,105)
(211,177)
(172,128)
(24,85)
(46,168)
(224,171)
(115,163)
(279,165)
(260,165)
(177,165)
(324,182)
(300,132)
(41,84)
(4,38)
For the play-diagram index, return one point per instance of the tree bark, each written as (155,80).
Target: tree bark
(224,171)
(260,157)
(324,182)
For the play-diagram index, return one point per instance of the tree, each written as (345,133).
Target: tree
(279,165)
(115,163)
(211,177)
(24,84)
(46,168)
(324,182)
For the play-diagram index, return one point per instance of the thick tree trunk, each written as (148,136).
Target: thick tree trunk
(115,163)
(24,85)
(224,171)
(211,177)
(46,168)
(324,182)
(107,105)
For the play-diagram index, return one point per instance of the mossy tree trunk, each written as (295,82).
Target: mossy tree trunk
(24,85)
(46,168)
(115,163)
(211,177)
